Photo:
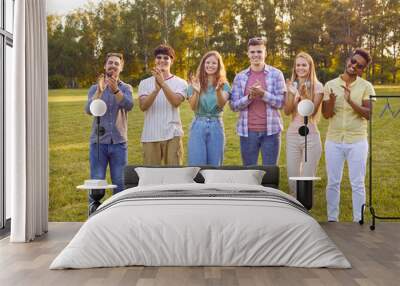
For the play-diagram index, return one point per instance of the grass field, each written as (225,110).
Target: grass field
(69,129)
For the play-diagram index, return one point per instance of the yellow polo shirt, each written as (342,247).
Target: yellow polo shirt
(347,126)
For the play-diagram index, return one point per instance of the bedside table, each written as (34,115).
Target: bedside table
(96,193)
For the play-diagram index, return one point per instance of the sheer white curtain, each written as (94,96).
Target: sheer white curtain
(27,124)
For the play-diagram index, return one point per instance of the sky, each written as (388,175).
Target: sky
(62,7)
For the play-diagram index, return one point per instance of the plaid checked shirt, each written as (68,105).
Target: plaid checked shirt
(274,97)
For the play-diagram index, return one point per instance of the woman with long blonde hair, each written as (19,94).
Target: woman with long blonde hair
(302,85)
(207,95)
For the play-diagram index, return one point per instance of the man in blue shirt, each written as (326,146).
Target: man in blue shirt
(113,124)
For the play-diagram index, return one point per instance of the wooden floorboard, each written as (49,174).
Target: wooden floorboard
(374,255)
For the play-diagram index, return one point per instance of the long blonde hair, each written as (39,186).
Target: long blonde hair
(311,78)
(201,74)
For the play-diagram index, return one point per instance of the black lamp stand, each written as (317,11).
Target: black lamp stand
(303,131)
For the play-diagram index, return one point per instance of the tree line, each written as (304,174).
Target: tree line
(326,29)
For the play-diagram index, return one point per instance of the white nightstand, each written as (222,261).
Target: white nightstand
(96,193)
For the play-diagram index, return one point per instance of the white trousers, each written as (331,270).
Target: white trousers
(356,156)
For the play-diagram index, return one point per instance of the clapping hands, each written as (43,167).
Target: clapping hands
(293,90)
(101,84)
(256,90)
(290,87)
(303,90)
(157,73)
(196,85)
(112,83)
(106,81)
(219,85)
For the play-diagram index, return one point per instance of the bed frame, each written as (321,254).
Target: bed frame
(270,179)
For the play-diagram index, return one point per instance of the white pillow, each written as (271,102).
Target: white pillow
(166,176)
(249,177)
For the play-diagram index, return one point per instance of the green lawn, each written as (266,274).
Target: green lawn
(69,161)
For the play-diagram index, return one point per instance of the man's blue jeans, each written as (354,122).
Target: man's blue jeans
(269,145)
(116,156)
(206,142)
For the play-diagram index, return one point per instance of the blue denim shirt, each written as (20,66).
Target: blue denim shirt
(115,120)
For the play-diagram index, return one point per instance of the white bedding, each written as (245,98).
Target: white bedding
(182,231)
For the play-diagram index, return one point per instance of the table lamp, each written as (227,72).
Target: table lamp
(305,108)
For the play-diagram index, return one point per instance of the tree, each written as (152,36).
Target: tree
(328,30)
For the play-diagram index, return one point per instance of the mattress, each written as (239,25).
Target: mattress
(201,225)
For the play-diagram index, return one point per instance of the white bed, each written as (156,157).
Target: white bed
(201,224)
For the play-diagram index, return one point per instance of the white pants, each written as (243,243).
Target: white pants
(356,155)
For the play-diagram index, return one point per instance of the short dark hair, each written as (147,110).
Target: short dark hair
(164,50)
(118,55)
(363,53)
(256,41)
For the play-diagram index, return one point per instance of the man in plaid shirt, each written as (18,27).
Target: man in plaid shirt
(258,93)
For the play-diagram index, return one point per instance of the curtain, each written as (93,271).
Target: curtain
(27,124)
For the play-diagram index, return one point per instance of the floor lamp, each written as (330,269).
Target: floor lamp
(304,185)
(98,108)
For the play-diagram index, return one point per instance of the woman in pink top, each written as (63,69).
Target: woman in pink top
(303,85)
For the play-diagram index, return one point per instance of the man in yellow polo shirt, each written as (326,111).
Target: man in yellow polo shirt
(346,105)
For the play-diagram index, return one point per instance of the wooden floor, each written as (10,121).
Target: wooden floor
(374,255)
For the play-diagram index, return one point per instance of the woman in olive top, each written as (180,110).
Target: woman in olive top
(207,95)
(303,85)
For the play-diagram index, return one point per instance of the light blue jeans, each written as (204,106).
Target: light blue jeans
(269,145)
(206,142)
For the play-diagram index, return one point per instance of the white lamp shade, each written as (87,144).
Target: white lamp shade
(98,107)
(305,107)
